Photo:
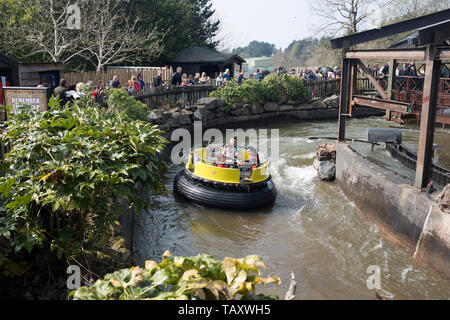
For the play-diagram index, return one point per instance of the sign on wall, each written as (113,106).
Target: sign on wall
(34,97)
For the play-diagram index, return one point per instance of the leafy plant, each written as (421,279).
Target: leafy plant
(65,179)
(182,278)
(293,87)
(271,89)
(120,102)
(230,93)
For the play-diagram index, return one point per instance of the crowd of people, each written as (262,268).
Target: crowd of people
(136,84)
(182,79)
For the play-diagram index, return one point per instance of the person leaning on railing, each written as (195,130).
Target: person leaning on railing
(204,78)
(177,77)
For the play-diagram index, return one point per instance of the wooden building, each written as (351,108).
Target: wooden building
(19,74)
(200,59)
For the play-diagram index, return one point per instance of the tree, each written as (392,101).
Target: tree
(343,16)
(111,36)
(256,49)
(144,31)
(400,10)
(44,30)
(183,23)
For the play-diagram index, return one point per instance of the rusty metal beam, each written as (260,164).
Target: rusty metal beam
(427,119)
(404,54)
(345,98)
(389,30)
(372,79)
(382,104)
(444,55)
(443,119)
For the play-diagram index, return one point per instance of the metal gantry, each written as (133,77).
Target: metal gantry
(434,31)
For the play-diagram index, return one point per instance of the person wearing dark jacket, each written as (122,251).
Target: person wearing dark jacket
(240,78)
(157,80)
(176,78)
(61,92)
(114,83)
(412,71)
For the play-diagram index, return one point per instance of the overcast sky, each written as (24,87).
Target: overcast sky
(274,21)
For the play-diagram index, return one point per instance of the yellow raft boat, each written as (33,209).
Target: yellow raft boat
(226,177)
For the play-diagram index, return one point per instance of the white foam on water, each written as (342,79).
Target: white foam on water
(294,140)
(310,155)
(300,175)
(405,272)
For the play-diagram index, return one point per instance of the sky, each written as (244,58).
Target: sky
(274,21)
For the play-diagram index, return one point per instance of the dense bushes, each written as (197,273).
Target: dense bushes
(272,89)
(120,102)
(182,278)
(64,178)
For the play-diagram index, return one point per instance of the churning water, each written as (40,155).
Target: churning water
(312,229)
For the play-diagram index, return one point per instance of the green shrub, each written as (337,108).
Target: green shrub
(230,93)
(64,179)
(271,89)
(182,278)
(121,102)
(293,87)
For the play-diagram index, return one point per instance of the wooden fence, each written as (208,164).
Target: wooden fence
(322,88)
(158,97)
(124,74)
(184,96)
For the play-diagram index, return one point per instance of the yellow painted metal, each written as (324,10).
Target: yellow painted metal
(204,169)
(260,174)
(190,165)
(210,172)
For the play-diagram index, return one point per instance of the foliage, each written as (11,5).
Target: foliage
(64,181)
(230,93)
(182,278)
(29,35)
(308,52)
(120,102)
(271,89)
(182,23)
(256,49)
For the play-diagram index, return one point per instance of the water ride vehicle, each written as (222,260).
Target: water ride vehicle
(226,177)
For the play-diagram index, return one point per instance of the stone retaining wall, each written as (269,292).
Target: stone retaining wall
(214,112)
(405,215)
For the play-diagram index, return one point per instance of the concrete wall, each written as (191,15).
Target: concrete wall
(405,215)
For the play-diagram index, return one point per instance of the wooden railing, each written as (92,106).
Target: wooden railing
(409,89)
(322,88)
(174,95)
(188,95)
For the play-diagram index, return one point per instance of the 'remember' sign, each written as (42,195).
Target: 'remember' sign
(34,97)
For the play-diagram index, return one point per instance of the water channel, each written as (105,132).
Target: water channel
(312,229)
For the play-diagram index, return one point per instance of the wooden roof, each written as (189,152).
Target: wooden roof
(205,55)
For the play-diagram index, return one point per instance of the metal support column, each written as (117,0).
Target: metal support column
(344,99)
(427,118)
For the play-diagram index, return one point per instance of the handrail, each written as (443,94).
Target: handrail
(195,151)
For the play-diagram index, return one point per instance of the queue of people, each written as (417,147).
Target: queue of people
(182,79)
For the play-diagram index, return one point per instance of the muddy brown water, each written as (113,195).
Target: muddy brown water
(312,229)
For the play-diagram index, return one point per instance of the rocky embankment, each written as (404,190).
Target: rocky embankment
(215,112)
